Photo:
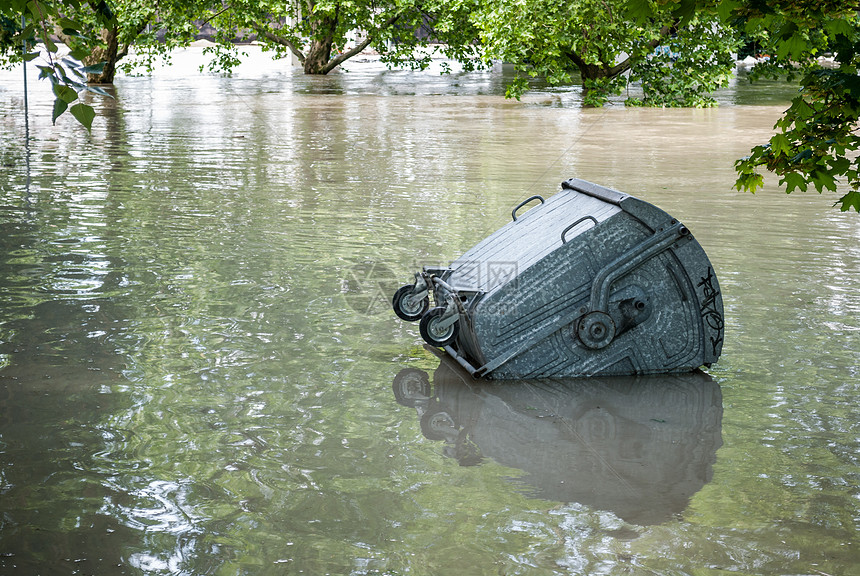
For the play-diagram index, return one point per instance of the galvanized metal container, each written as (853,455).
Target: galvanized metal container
(589,282)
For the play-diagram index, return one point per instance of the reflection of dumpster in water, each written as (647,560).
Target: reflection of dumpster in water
(637,446)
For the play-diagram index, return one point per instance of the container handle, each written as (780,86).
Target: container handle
(574,225)
(523,203)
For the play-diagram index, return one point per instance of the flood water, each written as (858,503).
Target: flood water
(200,372)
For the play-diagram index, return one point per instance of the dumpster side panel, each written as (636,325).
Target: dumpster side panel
(552,293)
(711,308)
(528,327)
(671,340)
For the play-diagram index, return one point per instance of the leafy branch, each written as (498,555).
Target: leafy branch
(67,76)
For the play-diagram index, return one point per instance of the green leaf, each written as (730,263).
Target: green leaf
(35,10)
(726,8)
(749,181)
(60,106)
(74,83)
(840,165)
(850,200)
(97,90)
(640,10)
(79,53)
(31,56)
(780,145)
(68,23)
(49,44)
(792,47)
(792,181)
(94,69)
(685,11)
(103,12)
(77,72)
(65,93)
(25,33)
(84,114)
(823,180)
(838,26)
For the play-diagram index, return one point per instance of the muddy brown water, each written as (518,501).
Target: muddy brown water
(200,372)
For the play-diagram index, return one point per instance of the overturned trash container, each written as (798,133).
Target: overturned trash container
(588,282)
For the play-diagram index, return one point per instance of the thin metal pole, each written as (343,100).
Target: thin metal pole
(26,116)
(26,101)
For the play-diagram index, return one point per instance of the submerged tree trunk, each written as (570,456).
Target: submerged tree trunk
(591,73)
(108,53)
(318,56)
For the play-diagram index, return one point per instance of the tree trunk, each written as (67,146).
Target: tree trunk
(602,71)
(318,56)
(592,72)
(108,53)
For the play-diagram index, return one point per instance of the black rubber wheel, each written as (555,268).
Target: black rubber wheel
(411,387)
(432,334)
(438,424)
(406,310)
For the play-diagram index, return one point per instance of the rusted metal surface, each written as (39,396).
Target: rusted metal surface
(588,282)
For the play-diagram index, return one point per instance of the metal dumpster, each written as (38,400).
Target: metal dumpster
(588,282)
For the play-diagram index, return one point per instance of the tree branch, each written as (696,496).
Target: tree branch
(344,56)
(606,71)
(271,36)
(123,52)
(208,20)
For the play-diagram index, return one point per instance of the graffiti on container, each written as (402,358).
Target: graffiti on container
(710,311)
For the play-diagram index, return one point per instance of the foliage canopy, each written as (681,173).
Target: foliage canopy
(323,34)
(816,142)
(609,43)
